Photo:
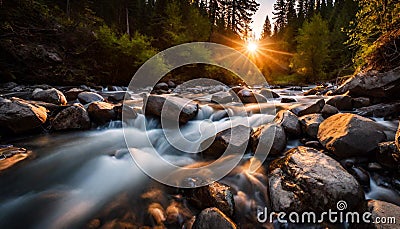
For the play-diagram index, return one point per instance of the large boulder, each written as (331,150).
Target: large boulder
(373,84)
(213,195)
(269,135)
(361,102)
(237,138)
(89,97)
(308,180)
(211,218)
(341,102)
(73,117)
(19,116)
(310,124)
(309,108)
(347,135)
(391,109)
(170,108)
(289,122)
(101,112)
(384,211)
(50,96)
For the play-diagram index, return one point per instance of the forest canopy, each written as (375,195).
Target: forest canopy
(105,42)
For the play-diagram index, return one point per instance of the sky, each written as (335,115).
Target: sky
(266,8)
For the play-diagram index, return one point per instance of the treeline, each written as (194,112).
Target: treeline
(327,38)
(112,38)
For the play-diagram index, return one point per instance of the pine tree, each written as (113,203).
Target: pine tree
(266,32)
(312,49)
(290,12)
(280,15)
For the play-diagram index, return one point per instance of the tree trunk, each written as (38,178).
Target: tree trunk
(127,21)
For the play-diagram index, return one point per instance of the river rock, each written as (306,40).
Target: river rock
(249,96)
(50,96)
(381,110)
(89,97)
(341,102)
(384,210)
(19,116)
(309,108)
(308,180)
(269,135)
(289,122)
(310,124)
(288,100)
(101,112)
(211,218)
(171,107)
(347,135)
(221,97)
(328,111)
(72,94)
(316,90)
(237,138)
(213,195)
(373,84)
(361,102)
(73,117)
(388,155)
(267,93)
(161,86)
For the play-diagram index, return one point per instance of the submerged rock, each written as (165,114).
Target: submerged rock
(50,96)
(19,116)
(89,97)
(171,108)
(269,135)
(347,135)
(211,218)
(309,108)
(373,84)
(237,138)
(289,122)
(73,117)
(310,124)
(101,112)
(308,180)
(213,195)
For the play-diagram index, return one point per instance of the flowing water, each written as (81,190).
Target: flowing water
(77,176)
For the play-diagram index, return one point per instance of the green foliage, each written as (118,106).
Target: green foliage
(374,18)
(312,49)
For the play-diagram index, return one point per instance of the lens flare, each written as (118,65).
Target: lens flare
(252,47)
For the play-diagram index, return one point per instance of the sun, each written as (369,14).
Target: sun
(252,47)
